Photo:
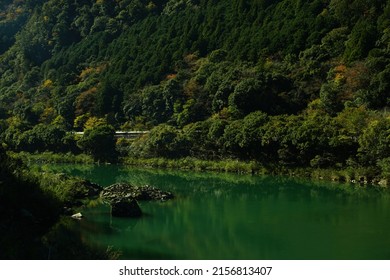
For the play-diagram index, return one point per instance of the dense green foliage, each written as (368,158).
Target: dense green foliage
(233,85)
(285,82)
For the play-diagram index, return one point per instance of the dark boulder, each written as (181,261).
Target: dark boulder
(126,208)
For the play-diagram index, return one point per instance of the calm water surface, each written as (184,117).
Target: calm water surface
(226,216)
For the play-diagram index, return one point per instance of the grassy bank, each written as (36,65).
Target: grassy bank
(49,157)
(349,175)
(228,165)
(361,175)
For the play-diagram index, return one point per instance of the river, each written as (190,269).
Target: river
(230,216)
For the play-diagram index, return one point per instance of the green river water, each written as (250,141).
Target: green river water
(229,216)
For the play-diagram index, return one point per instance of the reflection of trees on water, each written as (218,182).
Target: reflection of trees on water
(217,216)
(220,184)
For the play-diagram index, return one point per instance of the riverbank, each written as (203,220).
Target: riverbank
(358,175)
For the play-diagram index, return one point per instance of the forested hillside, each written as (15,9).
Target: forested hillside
(287,82)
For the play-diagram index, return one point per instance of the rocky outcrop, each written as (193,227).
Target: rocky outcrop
(125,208)
(123,198)
(122,191)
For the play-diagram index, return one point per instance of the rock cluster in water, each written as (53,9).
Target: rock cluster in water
(123,198)
(122,191)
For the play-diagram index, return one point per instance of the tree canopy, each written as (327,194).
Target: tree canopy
(272,80)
